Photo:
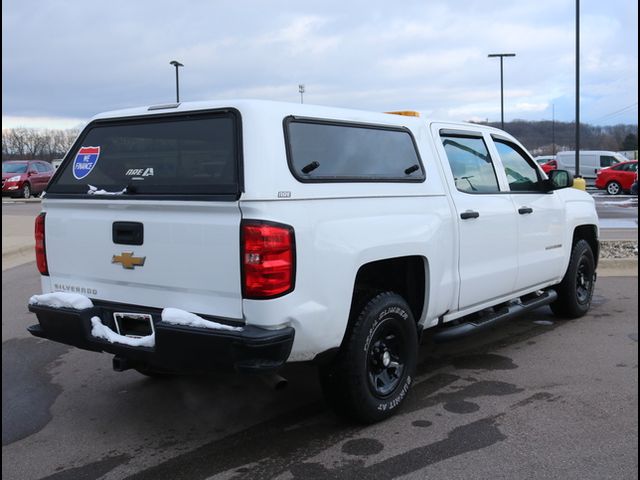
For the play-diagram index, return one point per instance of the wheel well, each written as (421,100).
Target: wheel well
(402,275)
(588,233)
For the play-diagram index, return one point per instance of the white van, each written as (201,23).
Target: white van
(591,162)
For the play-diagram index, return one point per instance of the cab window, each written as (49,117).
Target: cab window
(471,164)
(521,173)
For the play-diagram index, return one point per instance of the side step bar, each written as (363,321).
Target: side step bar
(460,330)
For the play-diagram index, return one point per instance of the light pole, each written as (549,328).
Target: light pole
(177,64)
(501,55)
(553,126)
(301,90)
(577,88)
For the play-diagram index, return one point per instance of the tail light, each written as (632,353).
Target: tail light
(41,254)
(268,259)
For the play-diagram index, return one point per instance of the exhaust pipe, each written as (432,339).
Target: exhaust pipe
(120,364)
(274,381)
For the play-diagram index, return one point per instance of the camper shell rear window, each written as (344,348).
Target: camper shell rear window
(321,150)
(184,155)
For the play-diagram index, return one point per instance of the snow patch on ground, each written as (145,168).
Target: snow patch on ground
(175,316)
(99,330)
(61,300)
(94,191)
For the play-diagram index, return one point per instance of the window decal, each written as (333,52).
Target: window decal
(85,161)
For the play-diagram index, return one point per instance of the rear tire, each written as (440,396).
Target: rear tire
(372,373)
(576,289)
(614,188)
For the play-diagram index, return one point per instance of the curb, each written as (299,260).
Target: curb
(10,252)
(618,267)
(22,200)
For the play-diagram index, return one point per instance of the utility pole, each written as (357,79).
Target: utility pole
(177,64)
(301,90)
(501,55)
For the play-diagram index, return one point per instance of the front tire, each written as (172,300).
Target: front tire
(576,289)
(374,369)
(614,188)
(26,191)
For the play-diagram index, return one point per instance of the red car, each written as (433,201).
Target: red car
(618,178)
(23,178)
(550,165)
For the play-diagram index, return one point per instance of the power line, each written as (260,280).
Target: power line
(617,112)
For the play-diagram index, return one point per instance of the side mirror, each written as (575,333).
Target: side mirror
(31,172)
(559,179)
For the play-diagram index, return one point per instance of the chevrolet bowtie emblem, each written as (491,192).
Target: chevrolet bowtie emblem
(128,261)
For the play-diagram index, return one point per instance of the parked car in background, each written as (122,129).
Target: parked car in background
(547,162)
(591,162)
(24,178)
(619,178)
(550,165)
(542,159)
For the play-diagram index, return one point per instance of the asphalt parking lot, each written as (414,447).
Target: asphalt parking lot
(535,398)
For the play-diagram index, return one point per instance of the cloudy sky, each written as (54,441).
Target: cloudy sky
(63,61)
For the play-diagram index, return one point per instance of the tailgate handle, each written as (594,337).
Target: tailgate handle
(128,233)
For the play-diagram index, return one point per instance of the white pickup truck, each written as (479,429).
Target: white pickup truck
(246,234)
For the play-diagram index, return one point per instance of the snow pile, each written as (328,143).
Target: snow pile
(61,300)
(176,316)
(102,331)
(94,191)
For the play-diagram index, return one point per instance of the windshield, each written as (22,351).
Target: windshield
(177,155)
(8,167)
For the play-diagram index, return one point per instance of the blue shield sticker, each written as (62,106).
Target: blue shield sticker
(85,161)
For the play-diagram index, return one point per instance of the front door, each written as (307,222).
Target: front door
(540,217)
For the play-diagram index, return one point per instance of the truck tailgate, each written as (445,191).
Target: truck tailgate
(190,252)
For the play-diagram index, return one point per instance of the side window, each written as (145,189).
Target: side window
(521,173)
(621,167)
(607,160)
(471,164)
(322,151)
(633,167)
(41,168)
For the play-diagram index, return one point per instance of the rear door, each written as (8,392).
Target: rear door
(488,256)
(145,211)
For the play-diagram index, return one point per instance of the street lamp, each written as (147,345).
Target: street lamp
(177,64)
(501,55)
(577,88)
(301,90)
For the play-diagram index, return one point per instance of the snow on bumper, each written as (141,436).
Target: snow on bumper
(175,347)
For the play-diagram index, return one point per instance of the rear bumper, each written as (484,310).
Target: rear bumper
(177,348)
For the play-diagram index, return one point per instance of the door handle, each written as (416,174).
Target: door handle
(525,210)
(469,214)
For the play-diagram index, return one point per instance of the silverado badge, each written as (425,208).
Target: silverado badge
(128,261)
